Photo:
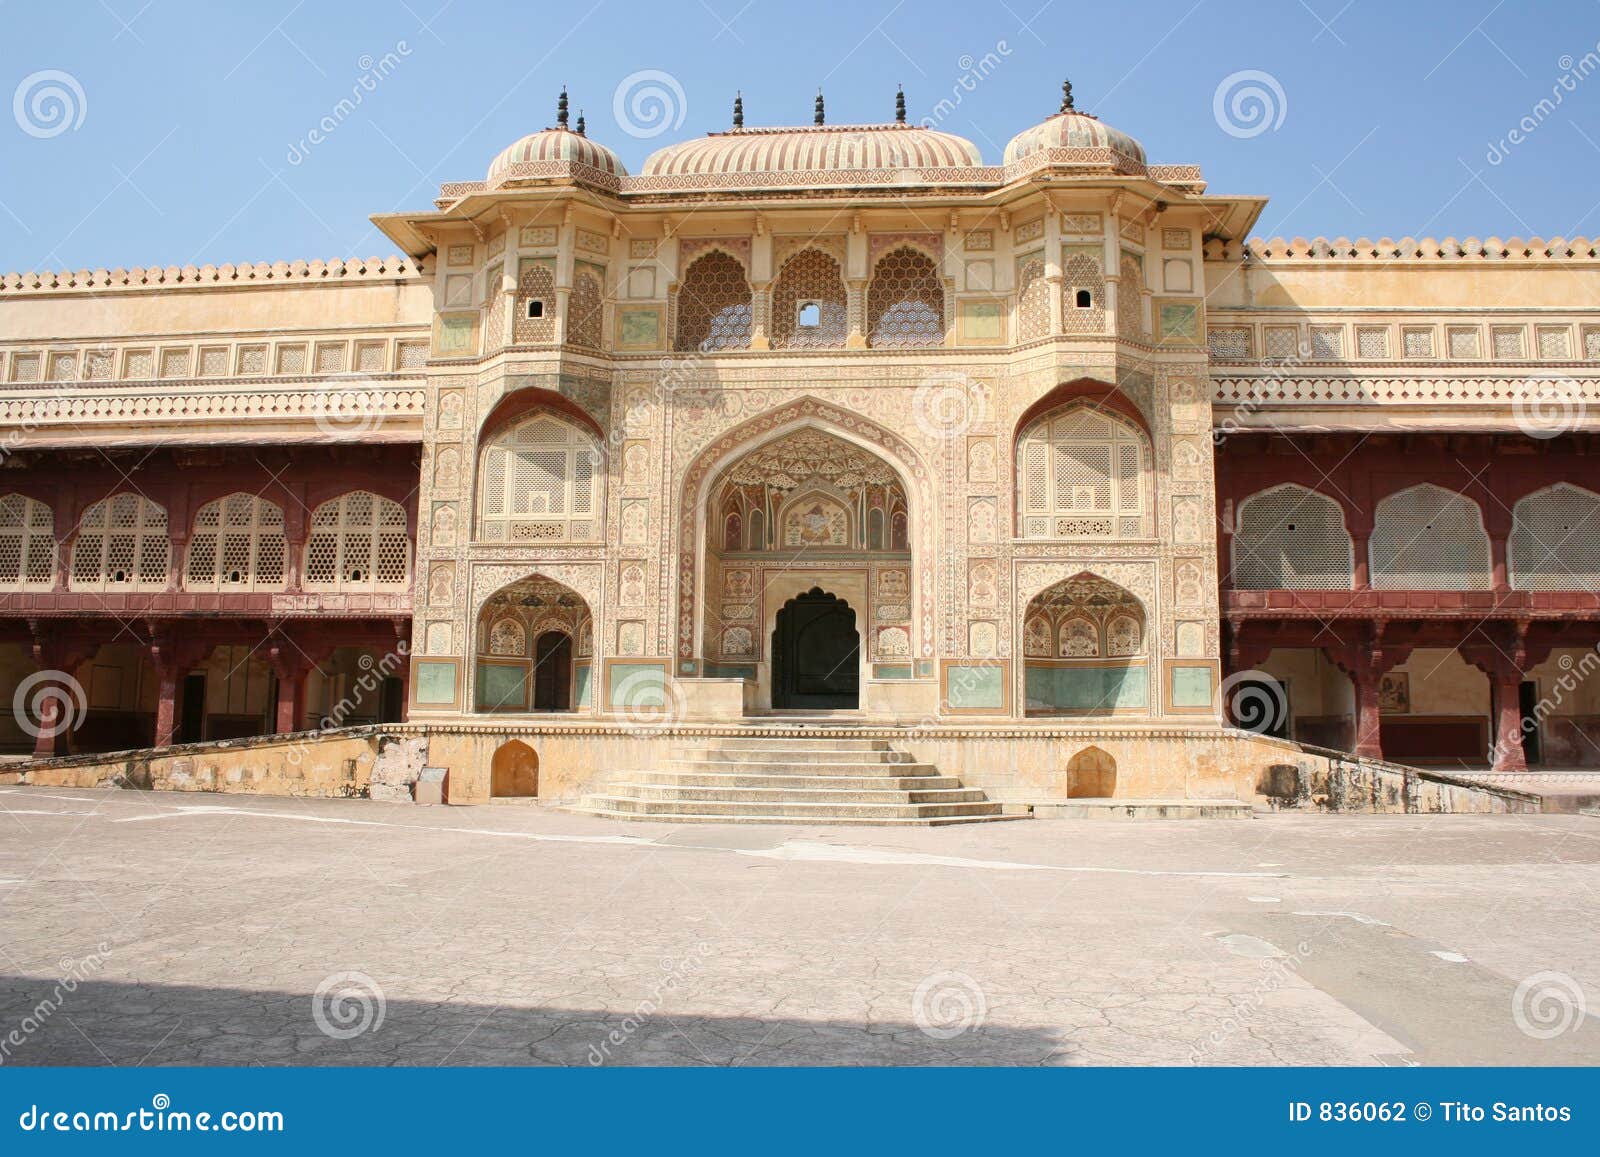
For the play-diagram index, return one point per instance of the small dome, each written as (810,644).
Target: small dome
(1071,129)
(813,155)
(555,152)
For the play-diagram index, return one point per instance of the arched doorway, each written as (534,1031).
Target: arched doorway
(1084,650)
(514,770)
(535,649)
(807,508)
(1091,774)
(816,654)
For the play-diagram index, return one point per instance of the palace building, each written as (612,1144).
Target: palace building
(1038,462)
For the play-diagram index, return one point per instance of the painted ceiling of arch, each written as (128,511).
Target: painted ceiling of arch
(1085,591)
(807,456)
(536,591)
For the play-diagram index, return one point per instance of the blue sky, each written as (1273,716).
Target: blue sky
(184,116)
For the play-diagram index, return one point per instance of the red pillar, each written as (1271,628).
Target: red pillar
(1369,740)
(45,744)
(1506,693)
(1361,577)
(166,703)
(291,698)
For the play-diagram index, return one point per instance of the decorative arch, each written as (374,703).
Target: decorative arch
(1290,537)
(121,544)
(815,276)
(713,304)
(358,542)
(905,300)
(237,545)
(707,466)
(1428,538)
(519,403)
(514,770)
(540,480)
(1084,471)
(1033,298)
(1084,649)
(1555,540)
(519,666)
(1091,774)
(27,543)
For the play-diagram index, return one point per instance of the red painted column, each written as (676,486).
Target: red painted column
(1362,573)
(291,698)
(45,744)
(1369,739)
(166,704)
(1508,752)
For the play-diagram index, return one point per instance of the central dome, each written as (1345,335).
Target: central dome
(814,155)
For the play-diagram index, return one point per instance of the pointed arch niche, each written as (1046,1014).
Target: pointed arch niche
(534,647)
(1084,650)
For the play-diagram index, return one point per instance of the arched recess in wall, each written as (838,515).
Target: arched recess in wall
(1085,650)
(541,480)
(905,301)
(1428,538)
(27,543)
(534,649)
(1091,774)
(1084,470)
(809,278)
(358,541)
(237,545)
(122,544)
(1555,540)
(514,770)
(713,304)
(1290,537)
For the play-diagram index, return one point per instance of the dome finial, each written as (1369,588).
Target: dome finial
(817,117)
(738,110)
(580,122)
(1066,97)
(900,105)
(561,108)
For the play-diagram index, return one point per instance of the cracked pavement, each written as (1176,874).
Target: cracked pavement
(166,929)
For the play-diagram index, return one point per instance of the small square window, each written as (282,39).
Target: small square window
(1083,299)
(809,315)
(535,308)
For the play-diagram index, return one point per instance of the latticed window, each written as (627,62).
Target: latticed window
(1291,538)
(1429,538)
(1554,343)
(536,285)
(586,308)
(540,482)
(238,545)
(905,301)
(1372,342)
(1327,342)
(713,305)
(27,543)
(121,545)
(809,278)
(1082,474)
(1507,341)
(1229,343)
(494,321)
(1419,343)
(358,542)
(1083,297)
(1033,299)
(1555,541)
(1130,297)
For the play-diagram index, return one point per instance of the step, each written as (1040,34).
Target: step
(721,794)
(758,818)
(784,767)
(929,782)
(797,743)
(771,753)
(778,806)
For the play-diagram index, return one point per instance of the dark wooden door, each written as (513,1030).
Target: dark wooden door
(552,672)
(816,654)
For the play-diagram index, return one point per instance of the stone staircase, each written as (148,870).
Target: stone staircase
(782,779)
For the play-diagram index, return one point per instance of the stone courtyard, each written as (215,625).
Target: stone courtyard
(161,929)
